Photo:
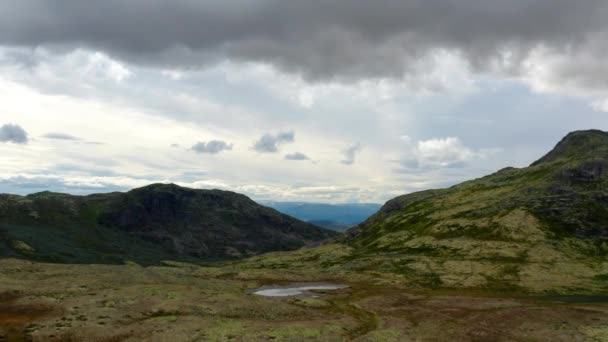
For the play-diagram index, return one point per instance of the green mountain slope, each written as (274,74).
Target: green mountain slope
(147,225)
(540,228)
(564,194)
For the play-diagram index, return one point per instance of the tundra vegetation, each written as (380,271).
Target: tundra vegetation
(519,255)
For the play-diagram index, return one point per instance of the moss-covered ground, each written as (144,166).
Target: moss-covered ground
(184,302)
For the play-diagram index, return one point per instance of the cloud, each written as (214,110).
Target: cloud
(373,65)
(74,184)
(269,143)
(13,133)
(554,47)
(448,152)
(211,147)
(296,156)
(405,138)
(60,136)
(350,154)
(324,39)
(68,137)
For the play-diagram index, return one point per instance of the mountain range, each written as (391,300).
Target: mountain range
(538,228)
(332,216)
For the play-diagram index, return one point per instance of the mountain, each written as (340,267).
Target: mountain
(149,224)
(332,216)
(539,228)
(333,225)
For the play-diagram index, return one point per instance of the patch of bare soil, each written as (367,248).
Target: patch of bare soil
(15,318)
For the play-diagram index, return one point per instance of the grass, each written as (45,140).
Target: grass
(185,302)
(78,244)
(601,277)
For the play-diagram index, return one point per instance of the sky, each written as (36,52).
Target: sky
(328,101)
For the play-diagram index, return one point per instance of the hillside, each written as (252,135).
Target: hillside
(540,228)
(160,221)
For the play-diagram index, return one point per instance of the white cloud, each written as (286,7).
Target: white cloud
(574,73)
(100,65)
(140,113)
(405,138)
(600,105)
(444,151)
(447,152)
(86,66)
(443,73)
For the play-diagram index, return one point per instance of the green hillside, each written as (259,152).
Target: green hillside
(157,222)
(540,228)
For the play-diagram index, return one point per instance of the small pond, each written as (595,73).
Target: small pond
(296,289)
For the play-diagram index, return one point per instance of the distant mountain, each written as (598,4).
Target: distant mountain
(333,225)
(539,228)
(333,216)
(160,221)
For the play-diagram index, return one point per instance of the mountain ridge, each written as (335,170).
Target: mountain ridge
(166,219)
(577,144)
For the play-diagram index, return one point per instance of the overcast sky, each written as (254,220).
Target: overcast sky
(316,100)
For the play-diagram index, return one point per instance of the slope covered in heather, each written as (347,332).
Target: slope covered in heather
(540,228)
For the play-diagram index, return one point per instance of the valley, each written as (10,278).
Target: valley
(185,302)
(518,255)
(302,171)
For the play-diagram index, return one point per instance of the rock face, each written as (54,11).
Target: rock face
(160,220)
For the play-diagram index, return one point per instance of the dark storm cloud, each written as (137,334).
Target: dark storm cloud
(320,39)
(269,143)
(296,156)
(13,134)
(211,147)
